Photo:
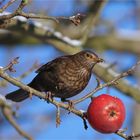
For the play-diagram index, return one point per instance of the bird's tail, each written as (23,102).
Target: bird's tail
(18,95)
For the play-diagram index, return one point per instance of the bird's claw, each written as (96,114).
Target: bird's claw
(70,105)
(49,96)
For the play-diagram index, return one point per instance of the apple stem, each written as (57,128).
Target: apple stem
(84,121)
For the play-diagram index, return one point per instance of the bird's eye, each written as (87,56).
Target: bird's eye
(88,55)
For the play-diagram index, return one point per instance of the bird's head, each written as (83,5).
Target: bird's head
(88,58)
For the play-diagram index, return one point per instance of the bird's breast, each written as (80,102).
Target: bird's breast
(74,78)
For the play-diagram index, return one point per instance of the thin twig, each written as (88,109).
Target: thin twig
(7,5)
(25,74)
(9,116)
(122,134)
(26,15)
(10,66)
(92,18)
(8,113)
(75,19)
(3,83)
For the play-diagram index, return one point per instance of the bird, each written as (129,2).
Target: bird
(64,77)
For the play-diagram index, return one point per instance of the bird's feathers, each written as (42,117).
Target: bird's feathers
(52,64)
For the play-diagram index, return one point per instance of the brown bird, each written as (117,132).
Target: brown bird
(64,77)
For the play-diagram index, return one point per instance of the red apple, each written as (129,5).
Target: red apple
(106,113)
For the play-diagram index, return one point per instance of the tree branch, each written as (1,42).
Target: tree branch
(97,6)
(107,74)
(127,137)
(75,19)
(8,113)
(7,5)
(115,42)
(3,83)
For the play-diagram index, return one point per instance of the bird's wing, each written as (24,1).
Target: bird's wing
(50,66)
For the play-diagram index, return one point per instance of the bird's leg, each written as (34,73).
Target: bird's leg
(49,96)
(70,104)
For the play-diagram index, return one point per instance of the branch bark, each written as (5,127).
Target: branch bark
(7,5)
(8,113)
(114,42)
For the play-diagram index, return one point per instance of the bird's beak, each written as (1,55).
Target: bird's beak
(100,60)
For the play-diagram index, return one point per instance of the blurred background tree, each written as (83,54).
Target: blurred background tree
(110,28)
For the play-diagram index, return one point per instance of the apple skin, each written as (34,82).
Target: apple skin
(106,113)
